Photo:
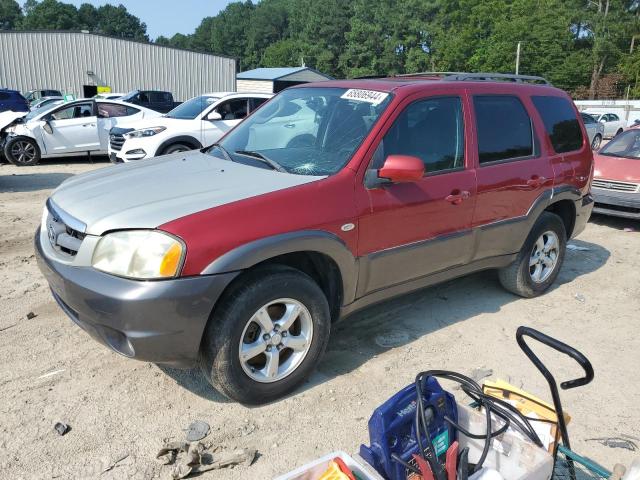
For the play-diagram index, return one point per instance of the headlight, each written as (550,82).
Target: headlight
(145,132)
(142,254)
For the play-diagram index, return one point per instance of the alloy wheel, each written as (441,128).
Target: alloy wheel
(275,340)
(544,256)
(596,143)
(23,151)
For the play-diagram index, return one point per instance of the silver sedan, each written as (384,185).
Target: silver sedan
(595,130)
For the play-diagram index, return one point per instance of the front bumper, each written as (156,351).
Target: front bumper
(617,204)
(154,321)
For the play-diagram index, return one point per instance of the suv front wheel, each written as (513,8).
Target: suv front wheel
(539,260)
(266,335)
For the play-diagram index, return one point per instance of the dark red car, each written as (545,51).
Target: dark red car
(616,183)
(329,198)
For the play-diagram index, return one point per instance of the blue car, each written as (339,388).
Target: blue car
(12,100)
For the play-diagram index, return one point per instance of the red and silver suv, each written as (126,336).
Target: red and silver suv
(329,198)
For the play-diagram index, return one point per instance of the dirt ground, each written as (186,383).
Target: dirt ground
(51,371)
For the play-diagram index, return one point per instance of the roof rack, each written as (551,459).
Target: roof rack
(482,77)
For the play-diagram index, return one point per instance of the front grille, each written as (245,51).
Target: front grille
(116,137)
(64,236)
(616,185)
(116,141)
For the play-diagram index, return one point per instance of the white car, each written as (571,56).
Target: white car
(198,122)
(613,124)
(109,96)
(75,128)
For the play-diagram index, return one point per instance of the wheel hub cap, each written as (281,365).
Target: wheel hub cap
(275,340)
(544,257)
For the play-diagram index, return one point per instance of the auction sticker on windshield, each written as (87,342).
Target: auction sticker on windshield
(369,96)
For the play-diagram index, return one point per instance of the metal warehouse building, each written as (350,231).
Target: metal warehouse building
(81,63)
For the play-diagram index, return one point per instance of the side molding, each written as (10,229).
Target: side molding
(250,254)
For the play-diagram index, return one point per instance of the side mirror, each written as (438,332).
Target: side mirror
(402,169)
(213,116)
(47,127)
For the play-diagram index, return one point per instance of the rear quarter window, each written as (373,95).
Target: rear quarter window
(560,121)
(4,96)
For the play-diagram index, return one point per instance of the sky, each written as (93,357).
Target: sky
(166,17)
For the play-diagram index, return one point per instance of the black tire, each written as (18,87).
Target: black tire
(219,351)
(597,140)
(517,277)
(620,130)
(177,147)
(22,151)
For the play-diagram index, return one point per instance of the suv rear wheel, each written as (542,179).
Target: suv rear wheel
(539,260)
(22,151)
(266,335)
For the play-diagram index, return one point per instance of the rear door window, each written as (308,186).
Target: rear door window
(112,110)
(504,128)
(560,121)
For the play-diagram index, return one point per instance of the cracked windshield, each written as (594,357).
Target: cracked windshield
(306,131)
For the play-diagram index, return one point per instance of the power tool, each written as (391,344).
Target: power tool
(393,430)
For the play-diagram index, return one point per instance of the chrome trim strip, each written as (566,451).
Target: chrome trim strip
(67,219)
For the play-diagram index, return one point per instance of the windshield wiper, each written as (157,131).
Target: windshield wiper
(222,149)
(259,156)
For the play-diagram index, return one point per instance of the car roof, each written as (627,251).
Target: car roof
(411,83)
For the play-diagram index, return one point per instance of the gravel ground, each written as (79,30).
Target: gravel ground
(51,371)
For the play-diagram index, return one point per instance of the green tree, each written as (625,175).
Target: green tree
(10,14)
(50,15)
(283,53)
(318,28)
(117,21)
(88,17)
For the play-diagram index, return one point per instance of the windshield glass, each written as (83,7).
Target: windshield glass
(191,108)
(307,131)
(625,145)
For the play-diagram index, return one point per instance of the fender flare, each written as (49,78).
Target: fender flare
(548,198)
(253,253)
(186,139)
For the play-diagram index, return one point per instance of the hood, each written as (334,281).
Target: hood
(152,121)
(616,168)
(149,193)
(8,117)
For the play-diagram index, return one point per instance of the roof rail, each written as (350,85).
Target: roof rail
(482,77)
(371,77)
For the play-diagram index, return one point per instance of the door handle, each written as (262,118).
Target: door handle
(536,181)
(290,125)
(457,197)
(89,125)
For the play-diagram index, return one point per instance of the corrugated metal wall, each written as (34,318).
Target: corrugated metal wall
(255,86)
(61,60)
